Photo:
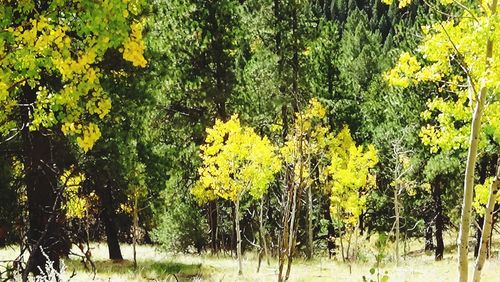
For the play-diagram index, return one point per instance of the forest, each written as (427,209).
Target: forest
(245,140)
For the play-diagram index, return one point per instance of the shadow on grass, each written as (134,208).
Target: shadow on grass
(146,269)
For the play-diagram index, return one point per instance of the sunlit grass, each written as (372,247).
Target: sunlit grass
(151,266)
(147,269)
(156,266)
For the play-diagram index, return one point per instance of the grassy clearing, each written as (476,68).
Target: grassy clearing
(156,266)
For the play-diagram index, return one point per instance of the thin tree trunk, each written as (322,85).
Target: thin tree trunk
(309,253)
(487,227)
(295,231)
(262,234)
(342,247)
(479,228)
(349,240)
(361,222)
(439,220)
(234,240)
(396,212)
(405,245)
(296,208)
(330,245)
(283,246)
(238,236)
(463,249)
(291,235)
(136,225)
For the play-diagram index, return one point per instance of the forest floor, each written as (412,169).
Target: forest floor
(157,266)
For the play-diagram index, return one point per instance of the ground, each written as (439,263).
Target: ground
(157,266)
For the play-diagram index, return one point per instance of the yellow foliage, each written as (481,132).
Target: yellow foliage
(74,204)
(53,43)
(133,48)
(481,195)
(402,3)
(458,41)
(349,177)
(344,167)
(235,161)
(404,70)
(91,133)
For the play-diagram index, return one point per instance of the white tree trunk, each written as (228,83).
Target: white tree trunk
(463,243)
(238,236)
(463,237)
(486,232)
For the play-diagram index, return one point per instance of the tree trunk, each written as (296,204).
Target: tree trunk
(108,217)
(262,236)
(136,226)
(487,227)
(342,247)
(463,243)
(438,205)
(429,242)
(44,203)
(479,228)
(309,252)
(291,235)
(330,245)
(46,221)
(283,246)
(361,223)
(493,222)
(396,213)
(238,236)
(234,240)
(212,219)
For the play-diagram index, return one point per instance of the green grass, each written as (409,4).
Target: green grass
(146,269)
(151,266)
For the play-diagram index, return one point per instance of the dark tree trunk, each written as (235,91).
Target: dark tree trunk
(108,217)
(234,242)
(439,221)
(361,223)
(212,219)
(479,225)
(46,221)
(429,242)
(149,241)
(330,243)
(3,236)
(43,202)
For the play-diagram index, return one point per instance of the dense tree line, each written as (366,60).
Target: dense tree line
(141,124)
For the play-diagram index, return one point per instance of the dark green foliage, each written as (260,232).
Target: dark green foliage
(181,228)
(8,208)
